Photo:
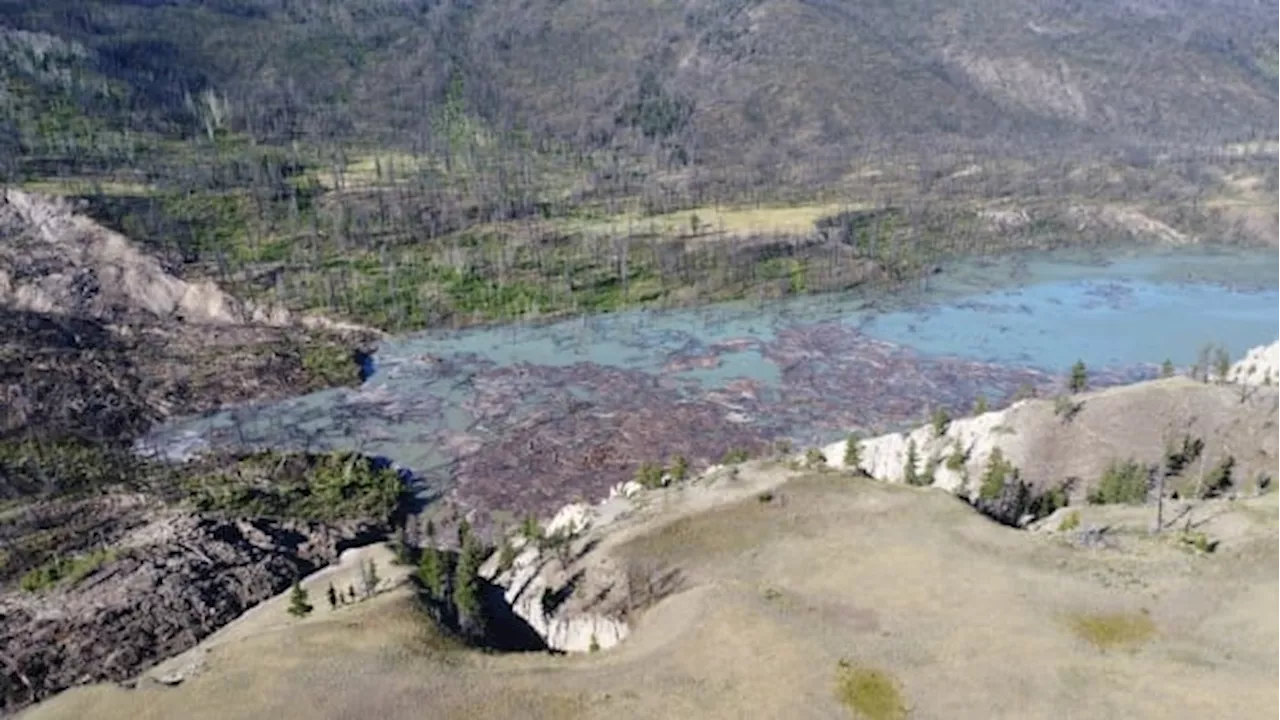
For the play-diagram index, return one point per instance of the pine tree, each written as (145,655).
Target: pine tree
(431,572)
(298,605)
(980,405)
(351,593)
(1166,369)
(909,473)
(530,528)
(369,577)
(464,532)
(998,472)
(853,452)
(1079,379)
(679,468)
(333,597)
(1222,363)
(940,421)
(466,584)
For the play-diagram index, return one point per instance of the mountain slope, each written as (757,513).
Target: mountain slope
(728,82)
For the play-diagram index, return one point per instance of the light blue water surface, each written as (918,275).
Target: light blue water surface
(1042,310)
(1045,310)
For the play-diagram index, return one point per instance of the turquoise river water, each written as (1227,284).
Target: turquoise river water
(582,400)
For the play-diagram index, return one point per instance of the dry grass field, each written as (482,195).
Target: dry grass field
(836,597)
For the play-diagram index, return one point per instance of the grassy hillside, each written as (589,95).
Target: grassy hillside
(811,597)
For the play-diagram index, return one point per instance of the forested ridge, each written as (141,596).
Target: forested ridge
(409,164)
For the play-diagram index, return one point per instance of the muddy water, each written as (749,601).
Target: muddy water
(577,404)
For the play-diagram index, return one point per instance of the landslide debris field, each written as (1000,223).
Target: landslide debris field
(805,595)
(501,422)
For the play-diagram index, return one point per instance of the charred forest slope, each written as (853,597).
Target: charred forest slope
(766,83)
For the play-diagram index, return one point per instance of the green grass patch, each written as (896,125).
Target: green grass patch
(1114,630)
(1198,542)
(1070,521)
(68,571)
(868,693)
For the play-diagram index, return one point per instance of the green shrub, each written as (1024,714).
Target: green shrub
(1123,482)
(1178,457)
(679,468)
(1198,541)
(736,456)
(649,475)
(327,365)
(1066,408)
(530,529)
(814,459)
(1220,479)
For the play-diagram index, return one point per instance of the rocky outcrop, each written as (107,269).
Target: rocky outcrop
(1077,437)
(885,457)
(169,584)
(561,603)
(54,260)
(1259,366)
(574,600)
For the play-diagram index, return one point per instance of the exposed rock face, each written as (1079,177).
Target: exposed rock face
(574,603)
(98,340)
(54,260)
(173,582)
(1047,446)
(884,457)
(1259,366)
(558,604)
